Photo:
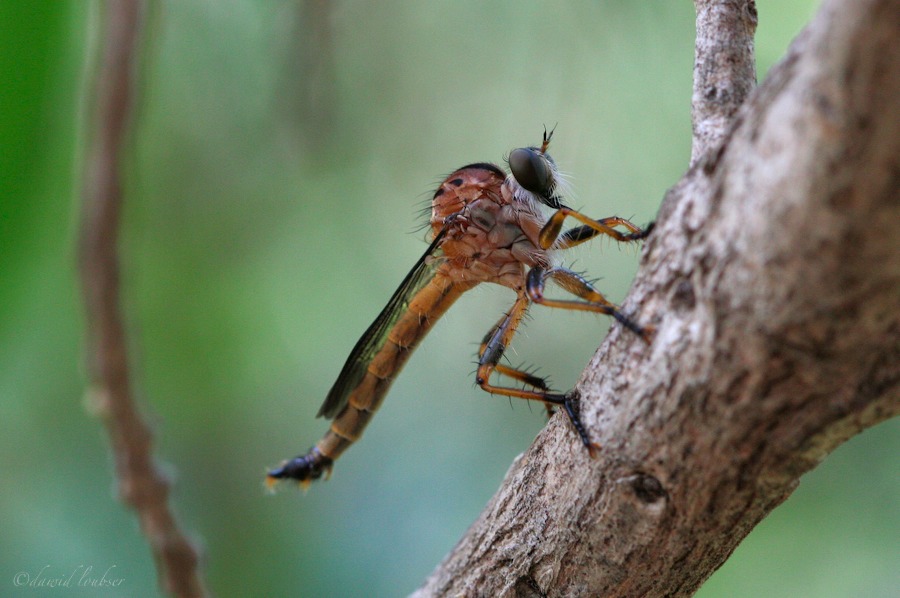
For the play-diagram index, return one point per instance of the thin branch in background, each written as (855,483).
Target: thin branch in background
(724,68)
(141,484)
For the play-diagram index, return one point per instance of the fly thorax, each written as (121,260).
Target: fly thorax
(460,189)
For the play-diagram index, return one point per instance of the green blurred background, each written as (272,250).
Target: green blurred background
(280,160)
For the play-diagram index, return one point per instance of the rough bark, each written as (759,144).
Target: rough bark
(773,278)
(142,485)
(724,68)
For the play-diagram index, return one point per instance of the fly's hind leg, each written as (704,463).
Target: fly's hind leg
(494,345)
(493,339)
(492,348)
(590,299)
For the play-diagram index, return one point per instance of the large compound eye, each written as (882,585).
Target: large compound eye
(530,170)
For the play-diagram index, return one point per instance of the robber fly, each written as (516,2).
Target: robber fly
(486,226)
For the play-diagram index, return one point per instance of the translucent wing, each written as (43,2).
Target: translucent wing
(374,337)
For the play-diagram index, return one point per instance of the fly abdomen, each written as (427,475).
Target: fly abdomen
(385,351)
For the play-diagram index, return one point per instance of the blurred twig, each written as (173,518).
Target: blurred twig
(141,484)
(308,100)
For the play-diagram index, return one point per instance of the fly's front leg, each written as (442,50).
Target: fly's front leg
(591,298)
(492,348)
(550,234)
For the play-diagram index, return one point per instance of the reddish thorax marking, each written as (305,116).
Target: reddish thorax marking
(493,234)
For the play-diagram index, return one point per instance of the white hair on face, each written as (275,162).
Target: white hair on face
(564,186)
(523,195)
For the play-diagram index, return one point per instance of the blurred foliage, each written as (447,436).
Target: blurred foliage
(280,158)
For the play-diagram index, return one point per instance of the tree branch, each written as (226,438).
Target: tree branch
(773,278)
(724,68)
(141,484)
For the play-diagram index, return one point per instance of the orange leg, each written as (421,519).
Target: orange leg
(498,346)
(492,348)
(522,376)
(550,234)
(590,298)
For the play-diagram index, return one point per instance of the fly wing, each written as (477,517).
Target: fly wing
(374,337)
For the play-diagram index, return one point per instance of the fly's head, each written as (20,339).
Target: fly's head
(534,171)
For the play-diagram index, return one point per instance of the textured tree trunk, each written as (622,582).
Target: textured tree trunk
(773,280)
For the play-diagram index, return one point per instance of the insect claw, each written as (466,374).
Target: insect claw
(572,408)
(648,333)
